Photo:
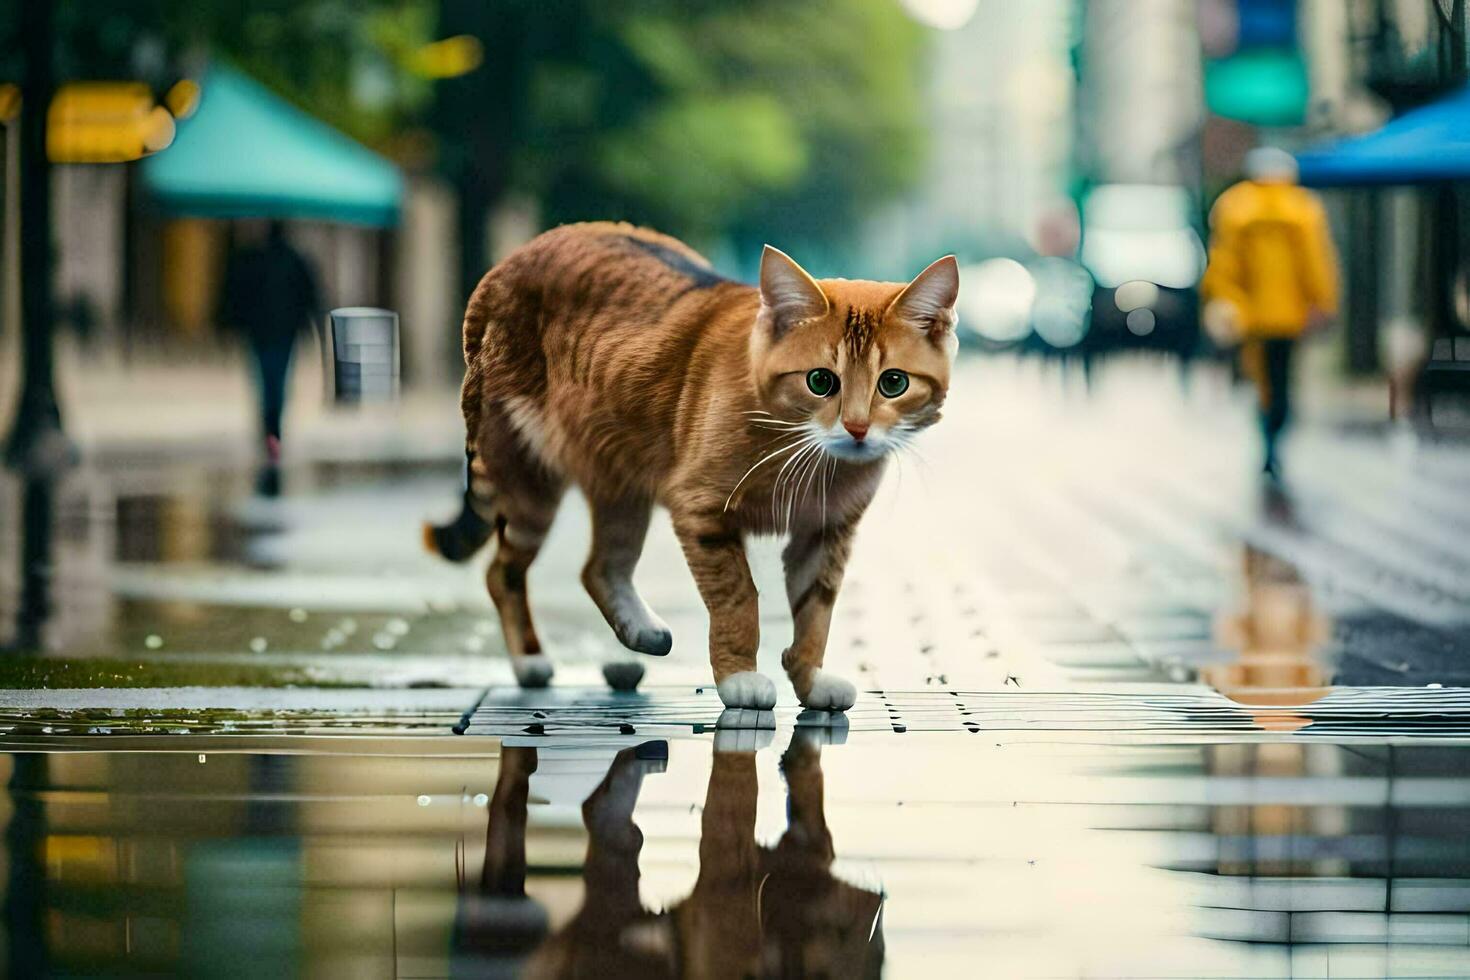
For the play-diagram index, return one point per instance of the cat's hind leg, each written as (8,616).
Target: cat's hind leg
(526,499)
(618,531)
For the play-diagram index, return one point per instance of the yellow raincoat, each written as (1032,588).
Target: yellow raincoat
(1271,259)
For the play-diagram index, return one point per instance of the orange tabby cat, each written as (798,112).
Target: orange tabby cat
(616,358)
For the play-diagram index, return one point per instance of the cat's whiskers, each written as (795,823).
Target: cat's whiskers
(787,475)
(809,480)
(769,456)
(793,485)
(777,484)
(832,467)
(766,420)
(906,443)
(807,483)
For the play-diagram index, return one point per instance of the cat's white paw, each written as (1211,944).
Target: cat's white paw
(830,693)
(532,670)
(748,689)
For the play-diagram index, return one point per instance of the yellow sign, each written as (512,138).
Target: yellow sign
(448,58)
(106,122)
(9,101)
(182,98)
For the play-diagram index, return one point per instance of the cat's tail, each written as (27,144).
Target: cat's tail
(464,535)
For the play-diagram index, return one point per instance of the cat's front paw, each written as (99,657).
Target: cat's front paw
(747,689)
(829,693)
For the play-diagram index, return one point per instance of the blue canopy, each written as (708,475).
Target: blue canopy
(247,153)
(1425,145)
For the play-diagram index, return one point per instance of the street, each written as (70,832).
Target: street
(1124,709)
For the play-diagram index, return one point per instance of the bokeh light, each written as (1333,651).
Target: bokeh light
(996,300)
(946,15)
(1136,294)
(1062,312)
(1141,322)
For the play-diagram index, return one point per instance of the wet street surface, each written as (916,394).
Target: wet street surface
(1124,711)
(911,856)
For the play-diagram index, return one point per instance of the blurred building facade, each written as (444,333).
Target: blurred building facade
(1000,100)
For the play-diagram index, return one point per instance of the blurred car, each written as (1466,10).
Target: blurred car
(1145,255)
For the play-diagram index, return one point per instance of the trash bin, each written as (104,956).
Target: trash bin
(364,353)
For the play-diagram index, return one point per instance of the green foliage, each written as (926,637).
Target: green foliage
(707,119)
(696,160)
(345,62)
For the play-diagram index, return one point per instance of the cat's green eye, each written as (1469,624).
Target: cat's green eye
(893,383)
(821,382)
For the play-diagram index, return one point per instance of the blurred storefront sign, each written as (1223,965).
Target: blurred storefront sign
(9,102)
(182,98)
(1266,88)
(106,122)
(1255,73)
(449,58)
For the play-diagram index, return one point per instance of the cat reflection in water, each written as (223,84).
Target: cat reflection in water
(754,910)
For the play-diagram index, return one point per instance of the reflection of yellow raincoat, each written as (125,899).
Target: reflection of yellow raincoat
(1271,258)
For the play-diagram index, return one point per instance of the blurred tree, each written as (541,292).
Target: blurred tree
(755,120)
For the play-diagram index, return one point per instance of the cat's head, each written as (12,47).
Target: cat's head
(856,367)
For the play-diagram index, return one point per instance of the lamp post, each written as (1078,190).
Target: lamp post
(36,442)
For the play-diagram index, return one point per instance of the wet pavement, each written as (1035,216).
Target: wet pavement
(709,856)
(1124,711)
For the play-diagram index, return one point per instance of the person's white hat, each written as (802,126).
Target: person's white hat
(1271,164)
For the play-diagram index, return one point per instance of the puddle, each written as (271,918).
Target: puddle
(75,550)
(20,725)
(34,673)
(609,856)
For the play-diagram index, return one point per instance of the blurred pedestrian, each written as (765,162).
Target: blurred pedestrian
(1272,278)
(270,295)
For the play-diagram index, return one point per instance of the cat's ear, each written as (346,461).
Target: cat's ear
(788,292)
(928,301)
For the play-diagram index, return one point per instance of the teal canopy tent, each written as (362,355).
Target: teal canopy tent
(247,153)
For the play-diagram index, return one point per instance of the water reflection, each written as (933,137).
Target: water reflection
(33,607)
(66,543)
(26,904)
(1249,857)
(753,911)
(1279,636)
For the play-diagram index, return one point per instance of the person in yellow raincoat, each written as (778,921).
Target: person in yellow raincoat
(1272,277)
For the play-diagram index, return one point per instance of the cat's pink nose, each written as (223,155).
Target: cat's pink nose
(855,429)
